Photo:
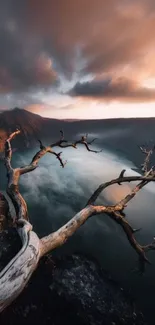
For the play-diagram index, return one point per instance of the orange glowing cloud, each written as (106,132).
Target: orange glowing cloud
(46,45)
(43,70)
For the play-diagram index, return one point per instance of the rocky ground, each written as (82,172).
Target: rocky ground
(71,290)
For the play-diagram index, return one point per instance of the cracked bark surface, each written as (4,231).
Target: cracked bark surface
(16,274)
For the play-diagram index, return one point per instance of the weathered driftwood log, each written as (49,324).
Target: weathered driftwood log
(18,271)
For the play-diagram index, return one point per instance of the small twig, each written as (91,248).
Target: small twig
(145,166)
(86,144)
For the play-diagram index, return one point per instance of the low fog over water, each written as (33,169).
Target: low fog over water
(55,194)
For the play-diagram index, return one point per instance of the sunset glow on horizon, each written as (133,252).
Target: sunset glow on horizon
(99,65)
(95,111)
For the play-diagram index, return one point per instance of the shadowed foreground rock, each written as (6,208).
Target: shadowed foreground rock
(71,291)
(10,244)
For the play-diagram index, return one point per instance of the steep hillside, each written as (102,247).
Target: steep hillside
(32,126)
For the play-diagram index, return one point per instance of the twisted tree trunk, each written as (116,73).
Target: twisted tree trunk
(18,271)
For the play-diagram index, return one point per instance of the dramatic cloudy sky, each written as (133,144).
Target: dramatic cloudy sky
(78,58)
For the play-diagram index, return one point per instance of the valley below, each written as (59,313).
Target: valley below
(54,195)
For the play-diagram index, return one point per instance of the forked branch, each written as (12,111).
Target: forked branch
(62,143)
(84,141)
(148,153)
(16,274)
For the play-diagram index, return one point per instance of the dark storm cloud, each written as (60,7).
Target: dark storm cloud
(44,40)
(120,89)
(23,61)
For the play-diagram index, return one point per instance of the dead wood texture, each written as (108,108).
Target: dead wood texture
(16,274)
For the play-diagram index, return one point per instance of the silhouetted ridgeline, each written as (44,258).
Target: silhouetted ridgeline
(121,135)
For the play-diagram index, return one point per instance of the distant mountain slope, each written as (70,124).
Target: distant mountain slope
(32,126)
(121,135)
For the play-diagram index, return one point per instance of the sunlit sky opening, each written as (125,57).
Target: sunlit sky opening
(59,62)
(95,110)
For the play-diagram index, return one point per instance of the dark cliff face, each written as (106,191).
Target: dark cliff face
(74,291)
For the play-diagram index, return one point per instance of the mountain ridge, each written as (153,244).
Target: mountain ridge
(21,110)
(119,134)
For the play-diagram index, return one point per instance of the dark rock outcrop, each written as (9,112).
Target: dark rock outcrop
(71,291)
(10,244)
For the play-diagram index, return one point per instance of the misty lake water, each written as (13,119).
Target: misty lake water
(55,194)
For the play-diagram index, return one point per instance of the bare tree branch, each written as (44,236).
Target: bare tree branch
(16,274)
(118,180)
(83,141)
(13,178)
(8,150)
(18,271)
(62,164)
(41,145)
(121,175)
(62,143)
(60,236)
(148,153)
(114,212)
(129,231)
